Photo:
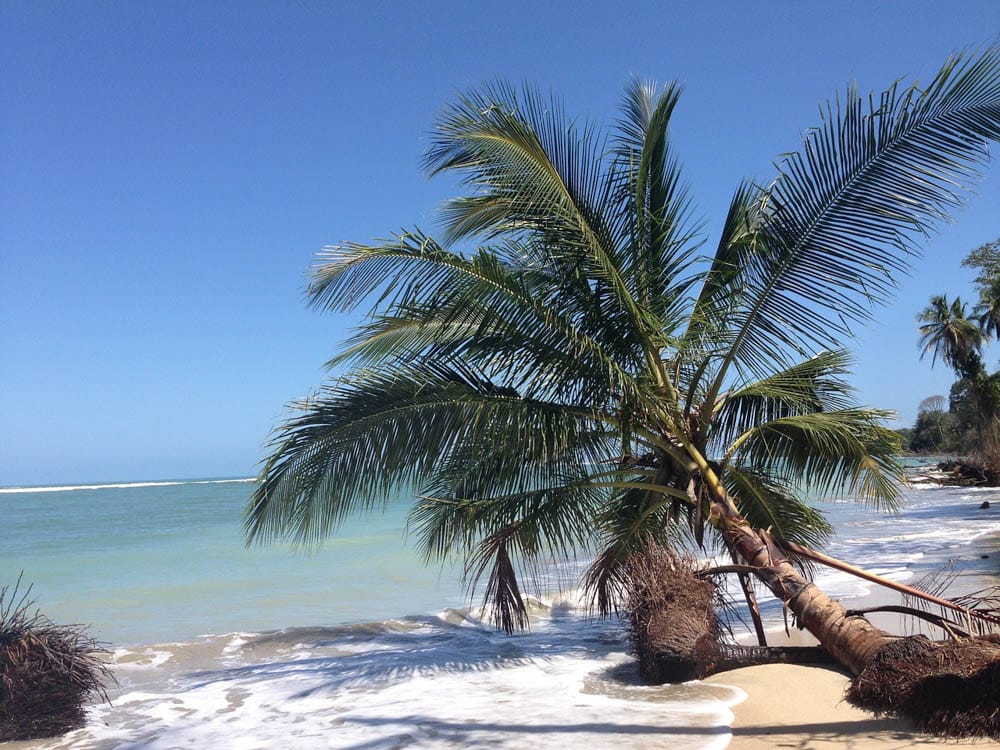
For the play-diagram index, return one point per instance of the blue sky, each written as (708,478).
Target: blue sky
(168,170)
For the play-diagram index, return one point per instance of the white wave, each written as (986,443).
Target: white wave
(122,485)
(435,687)
(142,658)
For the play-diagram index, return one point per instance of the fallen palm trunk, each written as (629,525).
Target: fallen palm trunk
(948,688)
(851,641)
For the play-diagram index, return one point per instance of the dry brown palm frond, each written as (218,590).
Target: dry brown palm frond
(985,603)
(974,613)
(970,613)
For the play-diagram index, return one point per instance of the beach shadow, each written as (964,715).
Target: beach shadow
(465,733)
(887,733)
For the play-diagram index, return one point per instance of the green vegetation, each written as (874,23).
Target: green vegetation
(566,371)
(956,335)
(935,430)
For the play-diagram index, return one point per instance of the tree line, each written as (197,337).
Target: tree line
(954,332)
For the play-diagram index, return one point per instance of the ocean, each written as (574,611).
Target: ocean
(361,645)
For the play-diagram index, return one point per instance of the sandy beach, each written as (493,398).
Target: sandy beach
(803,707)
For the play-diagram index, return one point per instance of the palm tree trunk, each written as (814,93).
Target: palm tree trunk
(852,641)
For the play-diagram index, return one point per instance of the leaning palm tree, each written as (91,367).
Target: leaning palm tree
(565,371)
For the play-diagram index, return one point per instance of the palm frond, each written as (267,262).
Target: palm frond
(848,210)
(360,442)
(659,240)
(544,491)
(503,595)
(846,451)
(479,309)
(538,175)
(813,385)
(769,504)
(630,520)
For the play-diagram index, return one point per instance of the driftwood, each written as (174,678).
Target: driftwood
(968,473)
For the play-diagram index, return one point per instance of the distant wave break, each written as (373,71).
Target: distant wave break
(123,485)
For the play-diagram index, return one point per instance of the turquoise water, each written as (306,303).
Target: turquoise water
(357,645)
(157,562)
(164,561)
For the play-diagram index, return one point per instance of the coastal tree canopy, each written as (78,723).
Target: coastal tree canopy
(956,335)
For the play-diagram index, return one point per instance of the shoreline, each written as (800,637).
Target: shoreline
(427,679)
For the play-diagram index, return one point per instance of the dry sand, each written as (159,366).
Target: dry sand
(803,707)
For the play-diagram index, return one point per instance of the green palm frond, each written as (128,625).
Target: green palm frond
(479,309)
(360,442)
(630,519)
(517,151)
(556,520)
(659,239)
(847,451)
(769,504)
(813,385)
(489,482)
(845,213)
(503,595)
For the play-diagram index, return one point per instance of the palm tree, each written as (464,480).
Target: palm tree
(564,372)
(946,331)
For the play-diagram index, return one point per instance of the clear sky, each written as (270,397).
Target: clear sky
(168,170)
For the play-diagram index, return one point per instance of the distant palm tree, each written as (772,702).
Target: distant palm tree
(947,331)
(584,379)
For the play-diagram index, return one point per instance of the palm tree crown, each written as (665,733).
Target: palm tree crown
(946,331)
(566,371)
